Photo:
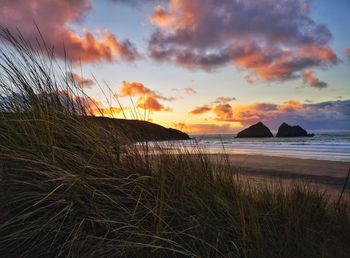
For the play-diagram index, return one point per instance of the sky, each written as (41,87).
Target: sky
(202,66)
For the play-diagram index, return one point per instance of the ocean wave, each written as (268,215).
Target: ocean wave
(329,146)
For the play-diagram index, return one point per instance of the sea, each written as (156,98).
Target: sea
(333,146)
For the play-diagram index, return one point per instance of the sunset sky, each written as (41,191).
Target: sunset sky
(203,66)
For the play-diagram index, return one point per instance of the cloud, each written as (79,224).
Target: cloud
(223,112)
(347,52)
(91,106)
(136,2)
(111,111)
(148,99)
(137,88)
(252,113)
(274,40)
(80,81)
(323,115)
(200,110)
(161,17)
(223,100)
(221,109)
(133,89)
(53,19)
(310,78)
(150,102)
(190,91)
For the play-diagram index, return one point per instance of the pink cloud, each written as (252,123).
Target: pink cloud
(347,52)
(53,18)
(273,40)
(312,80)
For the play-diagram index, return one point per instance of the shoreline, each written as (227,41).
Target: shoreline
(328,175)
(287,156)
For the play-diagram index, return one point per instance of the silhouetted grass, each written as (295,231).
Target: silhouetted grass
(70,188)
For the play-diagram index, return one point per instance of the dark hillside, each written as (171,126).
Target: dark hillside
(138,130)
(133,130)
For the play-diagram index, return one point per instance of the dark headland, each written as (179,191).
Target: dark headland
(139,130)
(133,130)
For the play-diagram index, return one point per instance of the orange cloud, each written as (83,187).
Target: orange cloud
(249,112)
(133,89)
(323,115)
(325,54)
(111,112)
(161,17)
(223,112)
(290,105)
(200,110)
(267,65)
(310,78)
(148,100)
(91,49)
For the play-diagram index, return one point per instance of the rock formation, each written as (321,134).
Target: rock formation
(285,130)
(257,130)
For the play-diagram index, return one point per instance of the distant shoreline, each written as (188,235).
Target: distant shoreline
(324,146)
(329,175)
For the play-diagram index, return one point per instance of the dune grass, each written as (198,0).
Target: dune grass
(70,188)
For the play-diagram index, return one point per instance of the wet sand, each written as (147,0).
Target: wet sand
(327,175)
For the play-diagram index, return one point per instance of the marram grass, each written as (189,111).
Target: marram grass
(70,188)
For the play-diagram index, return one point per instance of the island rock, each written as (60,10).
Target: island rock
(285,130)
(257,130)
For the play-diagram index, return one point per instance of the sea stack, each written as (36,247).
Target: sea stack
(255,131)
(285,130)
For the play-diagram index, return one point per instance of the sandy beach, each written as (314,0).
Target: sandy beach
(328,175)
